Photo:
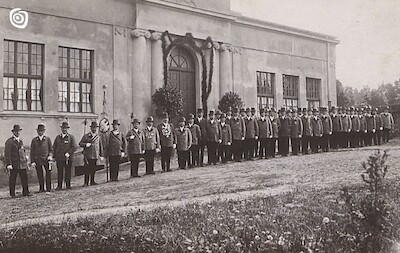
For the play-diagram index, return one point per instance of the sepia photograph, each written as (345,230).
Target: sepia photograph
(200,126)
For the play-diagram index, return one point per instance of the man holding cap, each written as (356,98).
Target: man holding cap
(116,147)
(64,147)
(136,149)
(16,161)
(92,151)
(41,155)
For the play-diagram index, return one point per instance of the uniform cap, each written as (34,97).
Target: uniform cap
(150,119)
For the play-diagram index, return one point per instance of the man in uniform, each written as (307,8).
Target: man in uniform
(116,148)
(16,162)
(41,155)
(363,128)
(183,140)
(317,131)
(213,135)
(194,155)
(336,128)
(136,147)
(346,129)
(151,145)
(307,131)
(238,129)
(92,151)
(265,133)
(166,131)
(251,135)
(64,147)
(388,124)
(226,138)
(371,127)
(271,149)
(229,122)
(296,132)
(327,129)
(355,128)
(379,127)
(201,122)
(284,133)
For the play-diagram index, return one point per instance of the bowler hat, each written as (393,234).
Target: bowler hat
(135,121)
(16,128)
(253,109)
(65,125)
(150,119)
(116,122)
(191,116)
(283,109)
(212,112)
(94,124)
(182,119)
(248,109)
(41,127)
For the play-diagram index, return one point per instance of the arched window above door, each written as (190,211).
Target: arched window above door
(180,58)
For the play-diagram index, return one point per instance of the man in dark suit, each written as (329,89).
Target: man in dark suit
(92,151)
(194,155)
(64,148)
(183,140)
(271,149)
(387,123)
(226,137)
(326,129)
(296,132)
(307,131)
(166,131)
(136,149)
(265,133)
(16,162)
(284,133)
(317,131)
(41,155)
(116,148)
(371,126)
(251,135)
(355,128)
(201,122)
(336,128)
(213,133)
(379,127)
(238,129)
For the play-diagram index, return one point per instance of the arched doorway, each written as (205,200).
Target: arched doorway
(182,71)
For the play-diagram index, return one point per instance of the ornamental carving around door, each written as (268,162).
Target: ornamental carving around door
(182,77)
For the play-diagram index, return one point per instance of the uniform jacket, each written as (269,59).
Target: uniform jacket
(317,127)
(326,124)
(183,139)
(346,123)
(213,131)
(238,128)
(370,122)
(14,154)
(296,127)
(251,127)
(275,127)
(355,123)
(284,126)
(116,144)
(95,150)
(387,120)
(264,127)
(40,150)
(196,134)
(363,123)
(135,142)
(379,121)
(226,134)
(64,145)
(307,129)
(336,123)
(202,123)
(151,138)
(166,133)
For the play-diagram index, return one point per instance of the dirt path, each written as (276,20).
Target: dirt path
(235,180)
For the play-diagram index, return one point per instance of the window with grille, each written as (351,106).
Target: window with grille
(290,91)
(313,88)
(75,82)
(265,89)
(23,76)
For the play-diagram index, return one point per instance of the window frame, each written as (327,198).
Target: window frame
(313,92)
(15,76)
(72,81)
(265,91)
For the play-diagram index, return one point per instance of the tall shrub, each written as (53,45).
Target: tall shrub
(230,99)
(168,99)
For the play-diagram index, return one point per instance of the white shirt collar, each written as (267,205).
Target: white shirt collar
(136,130)
(190,125)
(41,137)
(16,138)
(149,128)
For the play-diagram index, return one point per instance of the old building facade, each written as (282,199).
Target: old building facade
(78,59)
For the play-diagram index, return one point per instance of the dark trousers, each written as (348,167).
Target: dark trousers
(295,145)
(237,150)
(334,140)
(114,167)
(224,152)
(354,139)
(361,139)
(13,179)
(256,148)
(378,137)
(212,152)
(183,158)
(149,158)
(249,147)
(315,143)
(135,159)
(325,142)
(90,171)
(166,158)
(194,156)
(386,135)
(64,168)
(368,138)
(283,146)
(271,147)
(40,174)
(263,148)
(305,144)
(344,139)
(202,146)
